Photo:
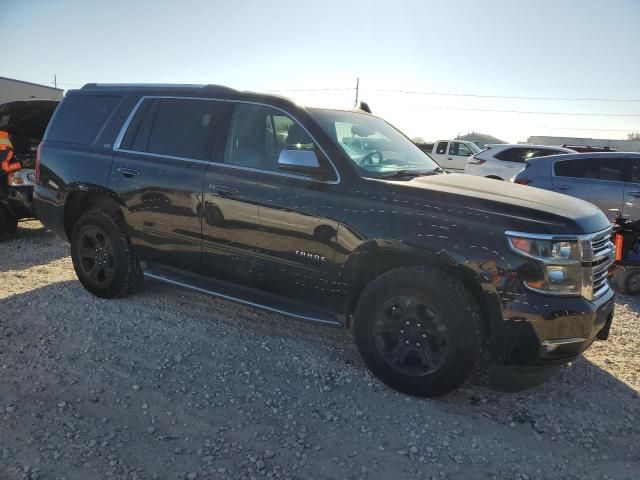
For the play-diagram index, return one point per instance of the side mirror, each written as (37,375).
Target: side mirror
(299,161)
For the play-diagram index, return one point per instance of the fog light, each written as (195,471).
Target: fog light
(556,274)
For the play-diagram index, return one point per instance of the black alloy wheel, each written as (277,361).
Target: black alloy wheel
(96,255)
(410,336)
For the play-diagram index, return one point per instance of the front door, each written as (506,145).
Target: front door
(458,157)
(265,227)
(158,172)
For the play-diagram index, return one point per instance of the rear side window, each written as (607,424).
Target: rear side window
(442,148)
(610,169)
(512,155)
(173,127)
(81,118)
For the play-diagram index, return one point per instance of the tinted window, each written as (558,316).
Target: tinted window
(611,169)
(182,128)
(80,118)
(442,148)
(258,134)
(460,149)
(512,155)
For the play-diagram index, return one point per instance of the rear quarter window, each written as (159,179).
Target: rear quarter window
(81,118)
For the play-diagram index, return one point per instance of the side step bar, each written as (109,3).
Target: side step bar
(225,294)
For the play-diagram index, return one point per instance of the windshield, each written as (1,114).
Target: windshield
(374,146)
(474,148)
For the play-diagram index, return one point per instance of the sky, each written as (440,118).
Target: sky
(555,49)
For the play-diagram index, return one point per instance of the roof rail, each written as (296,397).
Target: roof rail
(221,88)
(143,85)
(210,86)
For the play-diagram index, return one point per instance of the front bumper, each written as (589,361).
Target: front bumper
(538,329)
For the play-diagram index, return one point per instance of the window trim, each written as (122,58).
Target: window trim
(125,127)
(553,171)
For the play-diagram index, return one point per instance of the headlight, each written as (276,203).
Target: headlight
(560,271)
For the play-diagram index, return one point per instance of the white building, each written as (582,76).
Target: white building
(11,90)
(618,145)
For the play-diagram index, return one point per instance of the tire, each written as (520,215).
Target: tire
(8,224)
(440,338)
(102,256)
(628,281)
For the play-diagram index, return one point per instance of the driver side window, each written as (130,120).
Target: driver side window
(258,134)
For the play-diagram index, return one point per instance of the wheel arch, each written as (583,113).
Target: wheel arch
(83,197)
(368,264)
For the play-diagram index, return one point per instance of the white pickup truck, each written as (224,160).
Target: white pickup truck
(452,155)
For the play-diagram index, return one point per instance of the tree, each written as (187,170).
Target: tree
(634,136)
(417,140)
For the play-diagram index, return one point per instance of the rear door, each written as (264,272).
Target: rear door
(440,153)
(512,162)
(600,181)
(158,172)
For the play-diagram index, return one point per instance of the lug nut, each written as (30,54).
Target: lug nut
(417,344)
(401,331)
(424,335)
(407,342)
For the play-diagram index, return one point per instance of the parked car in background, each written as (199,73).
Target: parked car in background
(608,180)
(258,200)
(22,126)
(452,155)
(504,161)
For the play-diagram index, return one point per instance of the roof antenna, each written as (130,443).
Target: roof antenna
(364,106)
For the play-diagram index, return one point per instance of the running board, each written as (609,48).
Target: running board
(245,296)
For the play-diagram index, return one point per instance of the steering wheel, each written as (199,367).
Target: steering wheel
(368,159)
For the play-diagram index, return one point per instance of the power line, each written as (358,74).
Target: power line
(580,114)
(586,129)
(512,97)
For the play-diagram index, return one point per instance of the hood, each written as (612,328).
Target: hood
(514,206)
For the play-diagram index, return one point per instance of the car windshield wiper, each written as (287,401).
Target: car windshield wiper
(411,173)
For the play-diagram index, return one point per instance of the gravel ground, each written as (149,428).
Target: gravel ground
(177,385)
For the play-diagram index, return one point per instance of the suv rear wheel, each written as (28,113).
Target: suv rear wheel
(102,256)
(418,330)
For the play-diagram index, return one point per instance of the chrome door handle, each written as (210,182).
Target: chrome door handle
(564,187)
(222,188)
(128,172)
(634,194)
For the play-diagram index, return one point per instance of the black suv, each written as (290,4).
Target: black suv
(257,200)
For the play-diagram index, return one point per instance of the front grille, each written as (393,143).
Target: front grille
(598,256)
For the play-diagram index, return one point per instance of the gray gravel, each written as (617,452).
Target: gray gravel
(173,384)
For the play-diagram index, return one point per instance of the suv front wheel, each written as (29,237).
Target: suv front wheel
(418,330)
(102,256)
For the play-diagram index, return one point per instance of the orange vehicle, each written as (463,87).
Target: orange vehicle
(22,126)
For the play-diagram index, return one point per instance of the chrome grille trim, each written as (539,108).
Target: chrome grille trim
(597,257)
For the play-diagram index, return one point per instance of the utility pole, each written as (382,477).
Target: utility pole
(55,81)
(357,90)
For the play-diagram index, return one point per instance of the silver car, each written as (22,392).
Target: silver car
(608,180)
